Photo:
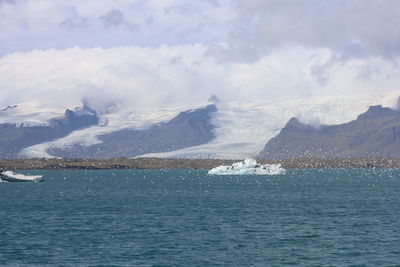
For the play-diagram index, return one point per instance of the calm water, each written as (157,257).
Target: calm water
(130,217)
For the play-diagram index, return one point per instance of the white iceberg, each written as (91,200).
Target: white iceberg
(9,176)
(248,167)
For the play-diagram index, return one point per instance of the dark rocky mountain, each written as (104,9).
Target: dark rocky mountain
(375,133)
(189,128)
(14,138)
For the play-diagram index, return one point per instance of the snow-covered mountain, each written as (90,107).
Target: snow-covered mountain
(187,129)
(16,136)
(241,129)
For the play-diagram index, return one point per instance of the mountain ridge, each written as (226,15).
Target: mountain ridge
(374,133)
(241,129)
(188,128)
(14,138)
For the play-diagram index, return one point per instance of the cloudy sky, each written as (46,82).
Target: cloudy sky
(174,52)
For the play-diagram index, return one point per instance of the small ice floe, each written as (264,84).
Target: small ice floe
(9,176)
(248,167)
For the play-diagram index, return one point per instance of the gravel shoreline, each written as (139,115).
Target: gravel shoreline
(166,163)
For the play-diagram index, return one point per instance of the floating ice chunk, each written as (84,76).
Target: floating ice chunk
(248,167)
(9,176)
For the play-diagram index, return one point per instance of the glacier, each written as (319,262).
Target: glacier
(109,122)
(243,128)
(248,167)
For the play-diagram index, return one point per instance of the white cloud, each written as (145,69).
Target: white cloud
(44,24)
(250,28)
(160,52)
(356,28)
(181,75)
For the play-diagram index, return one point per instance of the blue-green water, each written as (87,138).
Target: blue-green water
(139,217)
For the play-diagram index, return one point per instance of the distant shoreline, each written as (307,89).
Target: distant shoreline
(167,163)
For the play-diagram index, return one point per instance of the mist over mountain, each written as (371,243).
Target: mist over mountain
(13,137)
(375,133)
(138,64)
(213,129)
(142,96)
(189,128)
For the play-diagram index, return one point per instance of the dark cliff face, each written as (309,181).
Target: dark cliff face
(189,128)
(14,138)
(375,133)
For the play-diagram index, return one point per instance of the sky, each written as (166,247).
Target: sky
(176,52)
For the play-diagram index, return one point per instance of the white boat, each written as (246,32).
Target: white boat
(9,176)
(248,167)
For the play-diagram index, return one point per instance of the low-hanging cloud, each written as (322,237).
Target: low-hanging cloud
(178,76)
(156,52)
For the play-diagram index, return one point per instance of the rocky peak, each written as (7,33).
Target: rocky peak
(377,111)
